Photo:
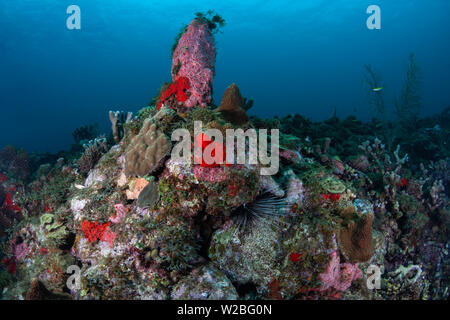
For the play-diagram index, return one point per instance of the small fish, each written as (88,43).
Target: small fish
(436,128)
(377,89)
(79,186)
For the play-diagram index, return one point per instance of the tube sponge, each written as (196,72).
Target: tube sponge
(194,58)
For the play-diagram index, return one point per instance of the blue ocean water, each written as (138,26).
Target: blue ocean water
(292,56)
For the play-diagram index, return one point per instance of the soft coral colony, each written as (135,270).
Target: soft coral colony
(141,225)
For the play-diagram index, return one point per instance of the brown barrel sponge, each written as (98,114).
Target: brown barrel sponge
(232,106)
(355,240)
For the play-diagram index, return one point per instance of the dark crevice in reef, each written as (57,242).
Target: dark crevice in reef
(157,173)
(69,242)
(206,224)
(246,290)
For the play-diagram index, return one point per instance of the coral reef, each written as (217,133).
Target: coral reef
(205,283)
(149,196)
(93,151)
(38,291)
(141,224)
(14,162)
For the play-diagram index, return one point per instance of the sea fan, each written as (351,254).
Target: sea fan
(265,208)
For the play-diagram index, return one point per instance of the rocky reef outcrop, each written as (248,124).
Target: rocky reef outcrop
(133,221)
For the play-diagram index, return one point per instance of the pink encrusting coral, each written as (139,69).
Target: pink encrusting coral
(109,236)
(20,250)
(339,275)
(194,58)
(121,212)
(214,172)
(295,191)
(215,175)
(290,155)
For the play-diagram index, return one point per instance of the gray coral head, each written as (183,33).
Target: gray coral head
(149,196)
